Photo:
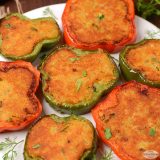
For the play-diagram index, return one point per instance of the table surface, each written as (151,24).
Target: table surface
(27,5)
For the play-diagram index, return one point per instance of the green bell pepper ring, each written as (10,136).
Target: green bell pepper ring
(143,52)
(60,129)
(74,80)
(22,38)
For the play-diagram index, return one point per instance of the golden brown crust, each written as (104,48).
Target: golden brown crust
(64,75)
(60,140)
(105,21)
(131,112)
(18,103)
(20,35)
(145,58)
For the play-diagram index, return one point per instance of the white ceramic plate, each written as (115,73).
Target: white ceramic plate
(143,27)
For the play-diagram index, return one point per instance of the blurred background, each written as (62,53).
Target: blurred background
(148,9)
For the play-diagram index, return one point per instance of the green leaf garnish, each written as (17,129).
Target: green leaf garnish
(101,16)
(106,156)
(148,8)
(8,25)
(152,132)
(152,34)
(73,59)
(84,74)
(78,84)
(36,146)
(48,12)
(108,133)
(9,145)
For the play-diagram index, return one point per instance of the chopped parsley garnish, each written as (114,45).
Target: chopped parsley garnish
(8,25)
(84,74)
(152,132)
(73,59)
(36,146)
(101,16)
(108,133)
(78,84)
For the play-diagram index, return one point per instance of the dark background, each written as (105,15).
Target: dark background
(28,5)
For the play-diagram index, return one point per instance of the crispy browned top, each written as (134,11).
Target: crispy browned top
(17,102)
(98,20)
(75,82)
(20,36)
(146,59)
(60,140)
(131,117)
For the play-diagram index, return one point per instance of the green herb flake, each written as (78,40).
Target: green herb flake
(34,29)
(101,16)
(152,132)
(84,74)
(108,133)
(73,59)
(8,25)
(36,146)
(78,84)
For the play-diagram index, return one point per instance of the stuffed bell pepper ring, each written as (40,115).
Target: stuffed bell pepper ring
(74,80)
(141,62)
